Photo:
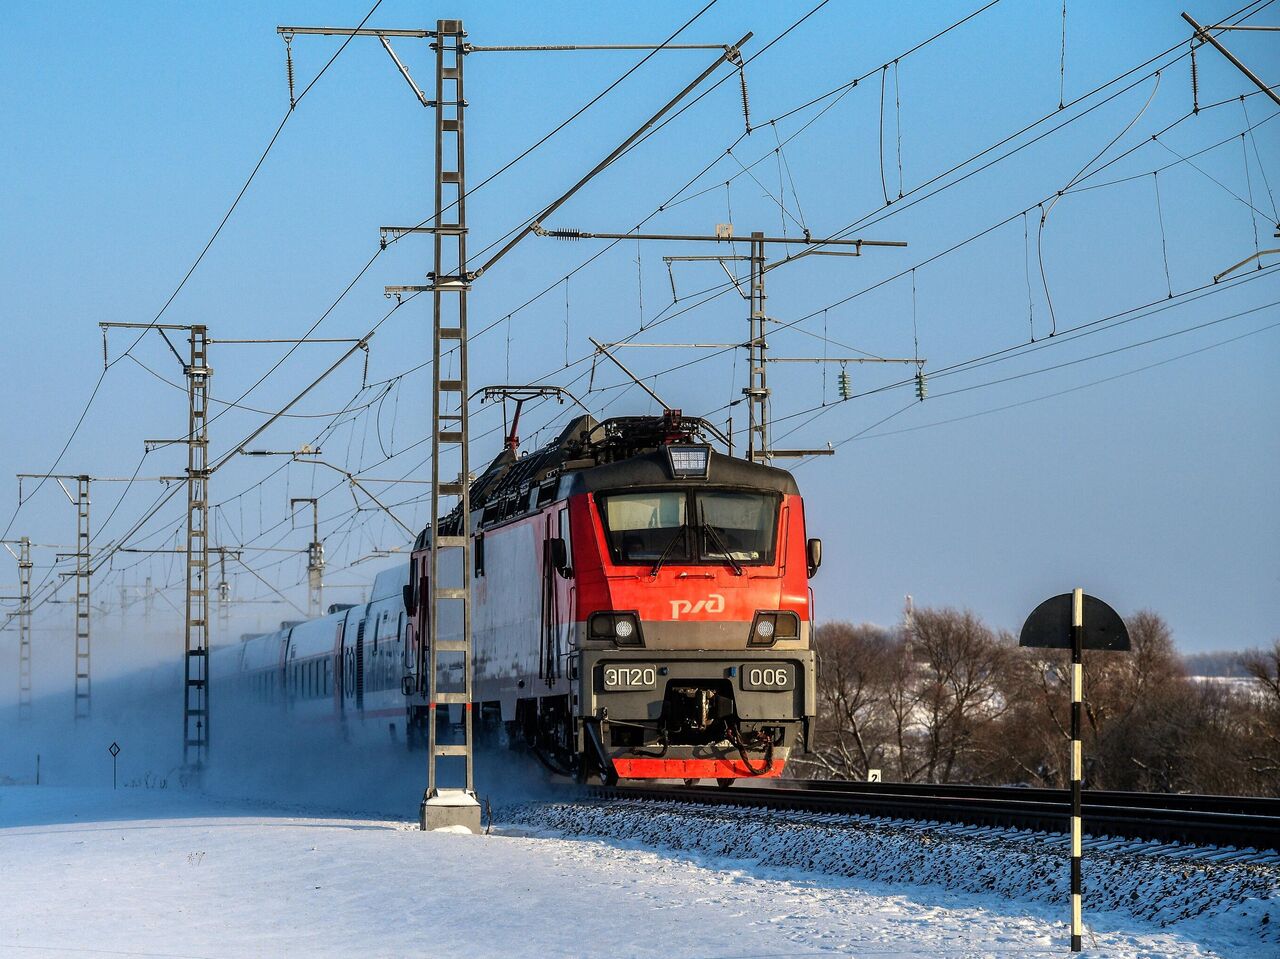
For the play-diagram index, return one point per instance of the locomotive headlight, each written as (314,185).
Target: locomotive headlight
(689,461)
(623,629)
(772,625)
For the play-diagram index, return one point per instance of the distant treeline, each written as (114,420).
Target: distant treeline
(946,698)
(1216,664)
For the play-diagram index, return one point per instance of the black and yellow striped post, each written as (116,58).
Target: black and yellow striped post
(1077,766)
(1059,623)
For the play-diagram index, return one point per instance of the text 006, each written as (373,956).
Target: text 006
(768,676)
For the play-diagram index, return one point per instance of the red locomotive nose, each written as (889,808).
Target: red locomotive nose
(640,603)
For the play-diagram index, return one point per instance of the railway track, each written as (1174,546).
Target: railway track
(1217,820)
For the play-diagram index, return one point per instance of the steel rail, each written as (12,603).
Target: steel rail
(1218,820)
(1252,805)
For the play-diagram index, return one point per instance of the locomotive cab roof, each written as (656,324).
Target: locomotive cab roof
(589,455)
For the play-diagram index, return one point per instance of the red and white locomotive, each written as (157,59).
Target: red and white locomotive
(640,610)
(641,603)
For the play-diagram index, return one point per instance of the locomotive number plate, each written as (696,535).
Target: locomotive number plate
(768,676)
(639,676)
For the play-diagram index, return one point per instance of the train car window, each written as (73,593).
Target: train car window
(737,526)
(478,551)
(547,492)
(646,527)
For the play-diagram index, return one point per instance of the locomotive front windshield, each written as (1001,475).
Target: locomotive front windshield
(690,526)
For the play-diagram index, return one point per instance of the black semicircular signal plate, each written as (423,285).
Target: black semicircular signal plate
(1049,625)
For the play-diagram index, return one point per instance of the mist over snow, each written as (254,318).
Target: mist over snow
(258,752)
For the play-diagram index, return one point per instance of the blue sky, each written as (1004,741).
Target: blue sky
(131,129)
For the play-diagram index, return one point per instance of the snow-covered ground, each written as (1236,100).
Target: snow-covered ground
(171,873)
(298,843)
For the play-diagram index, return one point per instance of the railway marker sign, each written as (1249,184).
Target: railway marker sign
(873,776)
(1076,622)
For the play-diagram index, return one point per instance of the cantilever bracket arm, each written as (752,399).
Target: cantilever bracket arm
(1203,34)
(602,349)
(356,484)
(404,72)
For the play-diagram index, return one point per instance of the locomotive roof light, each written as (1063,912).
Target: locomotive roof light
(689,461)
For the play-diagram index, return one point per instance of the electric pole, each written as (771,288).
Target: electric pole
(315,558)
(195,698)
(23,556)
(224,594)
(757,392)
(84,582)
(449,282)
(195,712)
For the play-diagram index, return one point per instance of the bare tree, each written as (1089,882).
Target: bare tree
(854,671)
(962,663)
(1262,732)
(951,700)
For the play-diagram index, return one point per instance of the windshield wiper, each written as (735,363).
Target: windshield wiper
(720,544)
(662,557)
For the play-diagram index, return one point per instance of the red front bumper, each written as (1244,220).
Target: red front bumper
(695,768)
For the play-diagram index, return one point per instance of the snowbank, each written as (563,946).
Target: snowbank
(1222,905)
(163,872)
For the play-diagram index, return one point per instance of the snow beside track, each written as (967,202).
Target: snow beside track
(165,873)
(1227,908)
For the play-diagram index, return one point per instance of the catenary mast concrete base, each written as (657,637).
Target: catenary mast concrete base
(450,808)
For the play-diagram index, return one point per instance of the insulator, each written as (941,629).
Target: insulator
(288,66)
(1195,81)
(844,385)
(564,234)
(922,387)
(746,100)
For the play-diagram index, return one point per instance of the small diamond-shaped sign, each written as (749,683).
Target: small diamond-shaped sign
(114,749)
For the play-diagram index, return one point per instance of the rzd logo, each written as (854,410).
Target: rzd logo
(712,604)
